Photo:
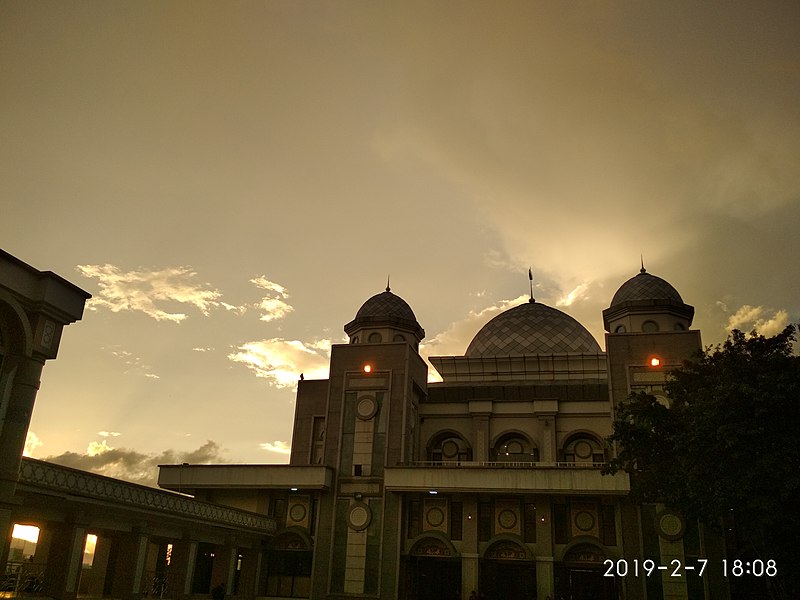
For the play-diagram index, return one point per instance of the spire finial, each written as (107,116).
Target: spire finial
(388,289)
(530,278)
(642,270)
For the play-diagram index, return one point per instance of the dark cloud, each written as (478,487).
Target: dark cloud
(133,466)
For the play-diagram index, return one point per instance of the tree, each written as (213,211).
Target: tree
(728,445)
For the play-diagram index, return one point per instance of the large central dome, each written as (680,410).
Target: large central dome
(532,328)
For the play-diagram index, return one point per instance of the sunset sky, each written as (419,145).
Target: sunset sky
(231,181)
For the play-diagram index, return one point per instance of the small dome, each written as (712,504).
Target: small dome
(646,287)
(386,310)
(386,304)
(532,328)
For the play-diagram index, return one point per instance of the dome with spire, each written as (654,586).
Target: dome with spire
(385,310)
(645,286)
(532,328)
(386,304)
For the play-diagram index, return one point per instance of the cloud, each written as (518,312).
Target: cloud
(273,305)
(578,292)
(32,442)
(109,433)
(131,465)
(277,446)
(201,349)
(133,364)
(281,361)
(748,318)
(146,291)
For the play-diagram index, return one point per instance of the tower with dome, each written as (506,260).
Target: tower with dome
(488,480)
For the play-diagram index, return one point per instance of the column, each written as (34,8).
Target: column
(224,569)
(64,559)
(24,374)
(545,577)
(130,564)
(184,556)
(470,559)
(250,573)
(97,574)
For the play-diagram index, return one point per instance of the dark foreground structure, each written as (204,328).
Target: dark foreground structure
(488,480)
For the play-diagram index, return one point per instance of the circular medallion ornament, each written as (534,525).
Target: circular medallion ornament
(507,519)
(359,516)
(297,512)
(670,526)
(434,517)
(584,521)
(366,407)
(449,449)
(583,449)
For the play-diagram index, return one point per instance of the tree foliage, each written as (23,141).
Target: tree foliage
(728,444)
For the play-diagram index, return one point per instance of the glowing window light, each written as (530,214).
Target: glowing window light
(367,368)
(655,362)
(29,533)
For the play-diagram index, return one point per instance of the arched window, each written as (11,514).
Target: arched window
(584,449)
(375,338)
(399,337)
(449,447)
(514,447)
(620,329)
(649,326)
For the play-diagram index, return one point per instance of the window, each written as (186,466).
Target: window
(375,338)
(449,447)
(530,523)
(514,448)
(649,326)
(485,517)
(560,524)
(620,329)
(609,525)
(414,513)
(679,327)
(584,449)
(456,512)
(399,337)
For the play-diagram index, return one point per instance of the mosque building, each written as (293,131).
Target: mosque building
(488,481)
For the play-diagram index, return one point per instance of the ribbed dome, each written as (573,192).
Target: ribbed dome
(646,287)
(386,304)
(532,328)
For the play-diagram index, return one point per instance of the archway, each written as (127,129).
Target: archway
(433,570)
(508,571)
(579,576)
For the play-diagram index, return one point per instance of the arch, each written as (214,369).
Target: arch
(585,549)
(507,546)
(434,545)
(448,446)
(583,446)
(291,539)
(514,446)
(17,333)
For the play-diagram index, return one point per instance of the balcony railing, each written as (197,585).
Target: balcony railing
(499,464)
(22,578)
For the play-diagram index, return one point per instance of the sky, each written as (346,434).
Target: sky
(231,181)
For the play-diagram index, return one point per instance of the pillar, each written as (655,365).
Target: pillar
(470,559)
(545,577)
(130,565)
(24,374)
(65,543)
(97,574)
(224,568)
(184,556)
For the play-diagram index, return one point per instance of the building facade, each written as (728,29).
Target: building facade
(488,481)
